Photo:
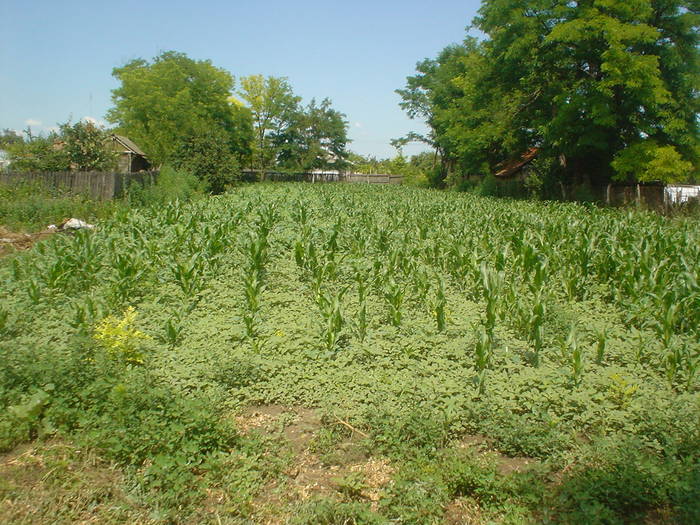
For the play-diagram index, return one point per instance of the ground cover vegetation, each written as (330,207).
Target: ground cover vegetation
(605,89)
(353,354)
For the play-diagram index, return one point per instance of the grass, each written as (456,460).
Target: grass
(504,362)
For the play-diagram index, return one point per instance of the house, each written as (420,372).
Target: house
(131,158)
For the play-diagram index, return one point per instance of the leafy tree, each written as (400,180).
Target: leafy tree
(605,88)
(87,147)
(38,154)
(273,105)
(9,137)
(207,153)
(314,137)
(81,146)
(162,104)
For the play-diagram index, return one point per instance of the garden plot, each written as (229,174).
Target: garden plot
(405,320)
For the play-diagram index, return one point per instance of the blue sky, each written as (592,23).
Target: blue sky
(57,57)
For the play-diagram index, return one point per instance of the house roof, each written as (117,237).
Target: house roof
(511,167)
(129,145)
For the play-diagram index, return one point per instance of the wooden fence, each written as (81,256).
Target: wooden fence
(96,185)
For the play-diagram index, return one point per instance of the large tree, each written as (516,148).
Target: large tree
(604,88)
(167,103)
(272,104)
(314,137)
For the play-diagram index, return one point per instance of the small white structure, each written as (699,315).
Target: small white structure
(678,194)
(4,160)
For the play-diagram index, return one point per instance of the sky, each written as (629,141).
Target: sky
(56,58)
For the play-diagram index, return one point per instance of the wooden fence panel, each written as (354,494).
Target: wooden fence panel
(96,185)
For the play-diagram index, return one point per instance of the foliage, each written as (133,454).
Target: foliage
(208,155)
(87,147)
(314,137)
(9,137)
(272,104)
(164,104)
(32,206)
(81,146)
(120,339)
(171,185)
(604,89)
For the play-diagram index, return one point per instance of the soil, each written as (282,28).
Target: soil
(311,474)
(11,242)
(504,464)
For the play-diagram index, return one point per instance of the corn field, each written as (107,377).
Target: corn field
(533,323)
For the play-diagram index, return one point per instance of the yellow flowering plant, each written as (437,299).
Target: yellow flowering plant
(120,339)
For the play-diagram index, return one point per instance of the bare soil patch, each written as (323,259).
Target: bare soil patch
(312,474)
(12,241)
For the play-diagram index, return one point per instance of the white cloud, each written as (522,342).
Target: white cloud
(32,122)
(358,124)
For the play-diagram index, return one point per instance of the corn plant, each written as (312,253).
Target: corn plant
(34,291)
(440,306)
(601,343)
(361,323)
(394,295)
(188,275)
(482,356)
(492,283)
(536,326)
(331,312)
(172,331)
(575,355)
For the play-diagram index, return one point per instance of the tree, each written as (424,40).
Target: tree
(162,104)
(86,146)
(272,104)
(603,88)
(9,137)
(81,146)
(314,137)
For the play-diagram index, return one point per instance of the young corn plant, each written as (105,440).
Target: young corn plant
(536,327)
(394,295)
(252,288)
(492,283)
(482,354)
(331,311)
(601,344)
(440,306)
(188,274)
(575,355)
(172,331)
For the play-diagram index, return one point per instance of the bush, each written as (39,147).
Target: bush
(488,186)
(171,185)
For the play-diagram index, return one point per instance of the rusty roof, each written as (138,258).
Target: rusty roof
(128,144)
(511,167)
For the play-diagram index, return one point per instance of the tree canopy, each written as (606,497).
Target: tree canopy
(82,146)
(605,89)
(170,101)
